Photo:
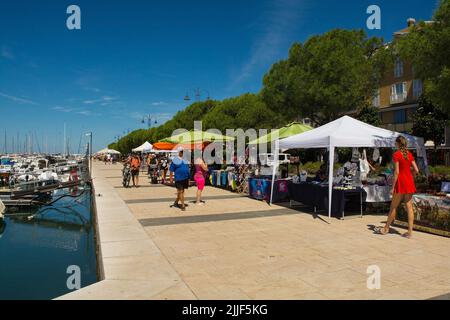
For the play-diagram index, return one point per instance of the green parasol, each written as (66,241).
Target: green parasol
(287,131)
(196,136)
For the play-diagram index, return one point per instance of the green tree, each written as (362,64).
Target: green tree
(429,122)
(427,47)
(245,111)
(327,76)
(369,114)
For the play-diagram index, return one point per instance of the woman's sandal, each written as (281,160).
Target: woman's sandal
(381,231)
(407,235)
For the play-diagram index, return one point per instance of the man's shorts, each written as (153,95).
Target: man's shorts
(135,172)
(182,184)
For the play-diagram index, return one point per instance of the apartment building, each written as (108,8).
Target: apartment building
(399,92)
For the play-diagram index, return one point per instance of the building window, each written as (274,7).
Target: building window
(417,88)
(400,116)
(376,99)
(398,71)
(399,92)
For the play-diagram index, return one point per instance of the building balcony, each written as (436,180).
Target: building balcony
(399,98)
(398,127)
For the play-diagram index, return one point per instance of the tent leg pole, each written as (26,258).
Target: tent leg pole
(360,198)
(275,166)
(330,179)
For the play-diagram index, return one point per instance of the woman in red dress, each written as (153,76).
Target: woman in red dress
(403,186)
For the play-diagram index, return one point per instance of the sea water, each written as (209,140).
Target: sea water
(38,248)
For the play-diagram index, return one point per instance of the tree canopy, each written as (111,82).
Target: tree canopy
(327,76)
(427,47)
(245,111)
(430,122)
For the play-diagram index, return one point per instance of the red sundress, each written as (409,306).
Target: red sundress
(405,180)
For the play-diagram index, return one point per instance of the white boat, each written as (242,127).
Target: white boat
(2,210)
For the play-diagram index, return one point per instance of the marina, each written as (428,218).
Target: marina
(47,224)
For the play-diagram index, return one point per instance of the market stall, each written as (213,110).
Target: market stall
(315,195)
(431,212)
(346,132)
(289,130)
(144,148)
(107,151)
(196,136)
(260,189)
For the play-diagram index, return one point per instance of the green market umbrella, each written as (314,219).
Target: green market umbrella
(287,131)
(196,136)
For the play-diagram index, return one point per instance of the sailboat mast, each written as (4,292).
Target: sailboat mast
(64,144)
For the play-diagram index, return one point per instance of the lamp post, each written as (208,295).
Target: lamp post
(89,134)
(149,118)
(197,94)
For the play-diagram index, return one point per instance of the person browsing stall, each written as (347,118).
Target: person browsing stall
(135,164)
(201,169)
(403,186)
(179,169)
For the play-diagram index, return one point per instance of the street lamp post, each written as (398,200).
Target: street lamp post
(149,119)
(89,134)
(197,94)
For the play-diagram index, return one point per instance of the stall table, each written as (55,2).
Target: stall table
(259,188)
(376,193)
(316,196)
(432,212)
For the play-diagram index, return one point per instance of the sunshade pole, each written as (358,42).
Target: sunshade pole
(275,166)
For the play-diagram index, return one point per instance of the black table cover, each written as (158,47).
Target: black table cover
(316,195)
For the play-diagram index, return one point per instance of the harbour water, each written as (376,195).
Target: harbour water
(37,247)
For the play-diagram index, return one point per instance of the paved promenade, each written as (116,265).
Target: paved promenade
(238,248)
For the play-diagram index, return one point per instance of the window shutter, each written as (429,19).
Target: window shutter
(405,91)
(393,90)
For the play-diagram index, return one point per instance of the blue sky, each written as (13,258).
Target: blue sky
(138,57)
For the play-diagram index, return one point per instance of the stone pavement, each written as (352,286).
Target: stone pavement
(234,247)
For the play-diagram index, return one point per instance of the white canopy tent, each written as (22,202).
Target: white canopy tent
(345,132)
(145,147)
(107,151)
(165,151)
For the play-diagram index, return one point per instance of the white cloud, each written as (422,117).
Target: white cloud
(17,99)
(105,100)
(159,103)
(75,110)
(92,89)
(276,25)
(87,113)
(62,109)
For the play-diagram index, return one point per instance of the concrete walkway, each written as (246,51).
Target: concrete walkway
(238,248)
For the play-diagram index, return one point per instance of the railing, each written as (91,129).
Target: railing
(399,98)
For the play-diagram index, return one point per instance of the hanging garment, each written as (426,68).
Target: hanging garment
(376,154)
(364,167)
(355,155)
